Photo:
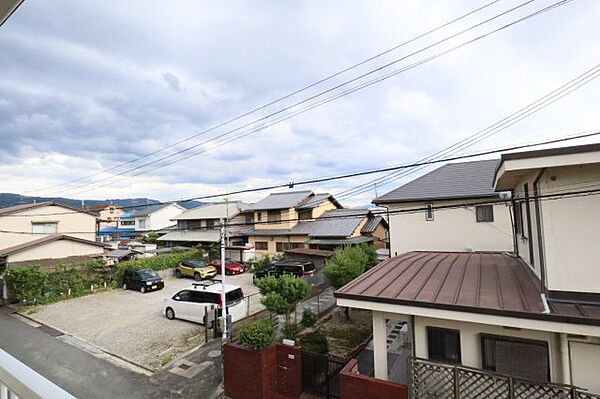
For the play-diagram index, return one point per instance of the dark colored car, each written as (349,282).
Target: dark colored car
(231,267)
(299,268)
(142,280)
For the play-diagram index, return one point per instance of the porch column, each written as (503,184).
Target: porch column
(565,358)
(380,346)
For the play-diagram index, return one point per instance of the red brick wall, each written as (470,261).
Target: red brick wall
(249,374)
(355,386)
(289,371)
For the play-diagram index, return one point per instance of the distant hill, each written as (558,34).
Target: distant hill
(8,199)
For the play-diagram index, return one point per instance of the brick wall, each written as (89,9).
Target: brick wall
(249,374)
(355,386)
(273,373)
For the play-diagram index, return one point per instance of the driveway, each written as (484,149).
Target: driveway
(132,325)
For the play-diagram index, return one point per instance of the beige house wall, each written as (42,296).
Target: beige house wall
(453,229)
(290,216)
(56,250)
(110,217)
(570,228)
(470,341)
(70,222)
(272,242)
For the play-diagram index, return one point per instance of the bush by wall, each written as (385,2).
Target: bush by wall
(309,319)
(315,342)
(257,335)
(26,284)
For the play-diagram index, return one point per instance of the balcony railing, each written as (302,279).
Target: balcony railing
(17,381)
(429,379)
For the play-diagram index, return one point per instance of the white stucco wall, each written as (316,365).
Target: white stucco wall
(56,250)
(570,228)
(72,223)
(160,219)
(451,229)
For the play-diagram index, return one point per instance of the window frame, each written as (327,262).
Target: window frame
(479,218)
(443,358)
(274,216)
(257,243)
(305,215)
(518,340)
(45,226)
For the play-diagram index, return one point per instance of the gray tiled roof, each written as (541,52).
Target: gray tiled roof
(316,200)
(333,223)
(281,200)
(454,180)
(372,224)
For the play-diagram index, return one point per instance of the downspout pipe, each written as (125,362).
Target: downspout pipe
(389,231)
(513,220)
(538,225)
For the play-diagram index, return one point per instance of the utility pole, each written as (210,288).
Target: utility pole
(224,313)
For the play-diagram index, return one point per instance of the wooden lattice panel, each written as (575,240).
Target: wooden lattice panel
(432,381)
(530,390)
(474,385)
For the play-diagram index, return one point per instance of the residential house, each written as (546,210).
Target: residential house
(532,314)
(106,213)
(45,233)
(302,219)
(201,225)
(149,218)
(452,198)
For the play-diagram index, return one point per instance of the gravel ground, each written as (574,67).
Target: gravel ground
(132,325)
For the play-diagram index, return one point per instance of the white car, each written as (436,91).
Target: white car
(198,302)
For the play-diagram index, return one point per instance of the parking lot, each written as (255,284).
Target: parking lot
(133,325)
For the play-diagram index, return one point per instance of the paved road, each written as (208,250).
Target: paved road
(78,372)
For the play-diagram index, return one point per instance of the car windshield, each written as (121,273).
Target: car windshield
(234,295)
(147,273)
(195,263)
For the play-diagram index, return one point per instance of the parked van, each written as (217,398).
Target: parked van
(200,299)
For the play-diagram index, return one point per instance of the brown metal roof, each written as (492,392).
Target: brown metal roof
(309,251)
(480,282)
(24,207)
(45,240)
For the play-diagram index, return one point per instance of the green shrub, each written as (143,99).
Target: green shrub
(257,335)
(315,342)
(281,295)
(260,264)
(309,319)
(290,330)
(26,284)
(151,238)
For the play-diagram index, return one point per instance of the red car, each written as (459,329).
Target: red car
(231,267)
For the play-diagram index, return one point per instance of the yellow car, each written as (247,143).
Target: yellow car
(197,269)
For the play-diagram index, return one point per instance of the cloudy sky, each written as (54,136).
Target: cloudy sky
(88,86)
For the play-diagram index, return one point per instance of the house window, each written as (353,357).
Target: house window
(518,208)
(429,212)
(210,223)
(127,222)
(484,213)
(284,246)
(443,344)
(249,218)
(261,246)
(274,216)
(303,215)
(44,228)
(142,223)
(111,210)
(259,216)
(515,356)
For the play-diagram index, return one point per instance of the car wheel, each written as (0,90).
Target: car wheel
(124,286)
(197,277)
(143,289)
(170,313)
(178,273)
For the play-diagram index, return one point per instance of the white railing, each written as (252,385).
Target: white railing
(17,381)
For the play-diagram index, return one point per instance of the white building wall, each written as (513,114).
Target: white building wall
(453,229)
(70,222)
(161,218)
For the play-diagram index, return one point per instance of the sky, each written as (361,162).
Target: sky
(89,86)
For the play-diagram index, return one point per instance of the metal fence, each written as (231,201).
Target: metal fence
(446,381)
(321,374)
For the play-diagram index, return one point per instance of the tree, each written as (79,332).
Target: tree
(281,295)
(151,238)
(347,263)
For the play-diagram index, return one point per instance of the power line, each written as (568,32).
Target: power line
(355,174)
(489,131)
(322,102)
(541,197)
(289,95)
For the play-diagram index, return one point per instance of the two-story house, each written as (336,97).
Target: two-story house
(533,314)
(147,218)
(302,219)
(460,192)
(201,225)
(106,213)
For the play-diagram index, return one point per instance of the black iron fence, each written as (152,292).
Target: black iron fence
(429,379)
(321,374)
